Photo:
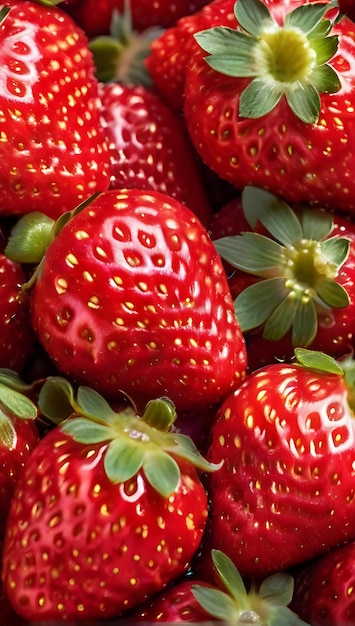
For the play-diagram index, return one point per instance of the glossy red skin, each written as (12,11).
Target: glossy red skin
(335,334)
(175,605)
(56,155)
(285,491)
(257,151)
(95,16)
(16,332)
(171,52)
(88,547)
(150,147)
(13,459)
(189,347)
(323,593)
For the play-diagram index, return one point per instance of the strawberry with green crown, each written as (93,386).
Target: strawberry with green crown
(131,295)
(53,149)
(285,491)
(268,100)
(293,284)
(109,510)
(228,601)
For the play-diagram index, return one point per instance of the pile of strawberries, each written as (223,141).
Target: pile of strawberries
(177,321)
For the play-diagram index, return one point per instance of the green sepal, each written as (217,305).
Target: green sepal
(86,431)
(182,446)
(231,52)
(259,98)
(30,238)
(253,16)
(318,361)
(336,249)
(332,294)
(162,472)
(215,602)
(4,11)
(56,399)
(306,17)
(123,459)
(267,293)
(301,316)
(229,576)
(17,403)
(278,587)
(303,99)
(252,253)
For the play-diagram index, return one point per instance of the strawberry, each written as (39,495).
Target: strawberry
(284,493)
(170,52)
(16,332)
(150,148)
(53,151)
(95,16)
(324,588)
(131,295)
(18,436)
(197,601)
(294,283)
(109,510)
(282,122)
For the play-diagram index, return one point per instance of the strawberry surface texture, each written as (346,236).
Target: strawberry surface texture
(177,320)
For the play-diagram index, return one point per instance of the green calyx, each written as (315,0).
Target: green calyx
(264,604)
(14,403)
(298,266)
(289,60)
(133,443)
(120,56)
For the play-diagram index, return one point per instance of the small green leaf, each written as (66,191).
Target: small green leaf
(86,431)
(93,404)
(230,577)
(257,202)
(256,303)
(325,79)
(316,224)
(56,398)
(231,52)
(183,447)
(278,588)
(282,223)
(305,323)
(17,403)
(303,99)
(123,459)
(325,48)
(259,98)
(251,253)
(306,17)
(215,602)
(253,16)
(281,319)
(12,379)
(336,250)
(8,435)
(333,294)
(162,472)
(30,238)
(318,361)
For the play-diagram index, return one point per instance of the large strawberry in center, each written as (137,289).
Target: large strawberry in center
(132,296)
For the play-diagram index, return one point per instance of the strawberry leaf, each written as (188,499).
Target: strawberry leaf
(251,252)
(256,303)
(229,575)
(336,250)
(333,294)
(86,431)
(303,99)
(306,17)
(277,587)
(318,361)
(253,16)
(56,398)
(230,50)
(183,447)
(251,105)
(93,404)
(162,472)
(215,602)
(17,403)
(123,460)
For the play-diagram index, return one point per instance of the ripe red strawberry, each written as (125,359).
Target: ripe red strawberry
(324,588)
(171,52)
(95,16)
(16,332)
(150,147)
(132,295)
(294,283)
(284,493)
(197,601)
(18,436)
(259,116)
(53,153)
(110,509)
